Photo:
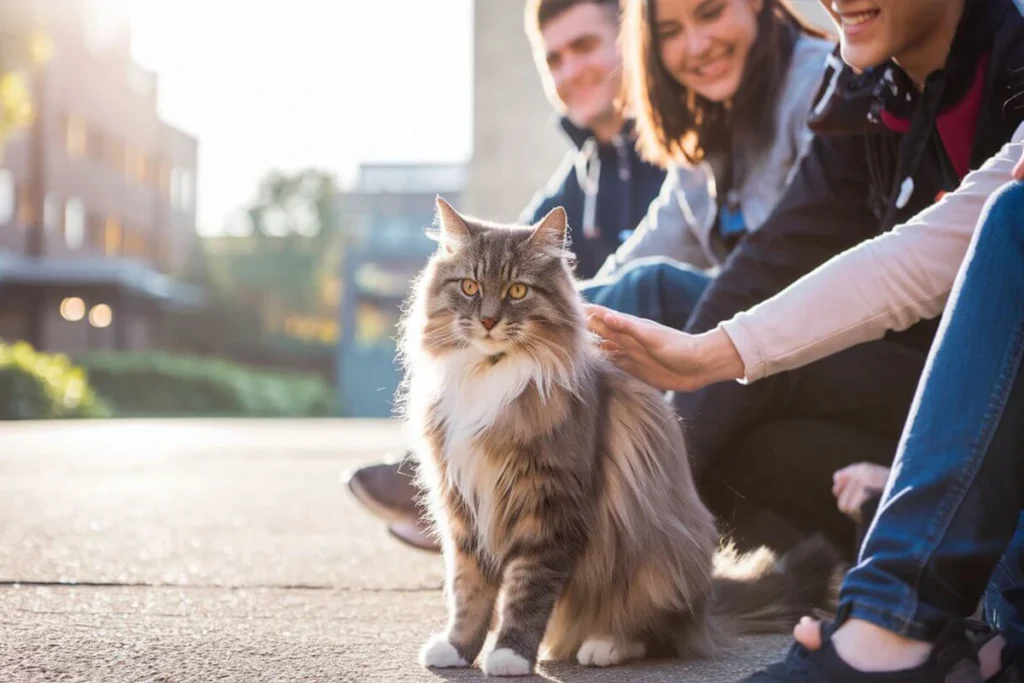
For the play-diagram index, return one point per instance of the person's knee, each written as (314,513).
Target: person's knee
(1006,208)
(644,278)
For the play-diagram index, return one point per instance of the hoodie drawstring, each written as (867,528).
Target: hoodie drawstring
(588,174)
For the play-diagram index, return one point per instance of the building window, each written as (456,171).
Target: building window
(112,235)
(51,213)
(96,144)
(26,207)
(96,231)
(135,164)
(7,195)
(175,185)
(134,243)
(114,154)
(182,189)
(163,179)
(187,191)
(74,223)
(102,25)
(76,136)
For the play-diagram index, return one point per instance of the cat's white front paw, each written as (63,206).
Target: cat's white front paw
(441,654)
(607,652)
(505,662)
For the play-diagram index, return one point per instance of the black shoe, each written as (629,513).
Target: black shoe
(953,660)
(387,490)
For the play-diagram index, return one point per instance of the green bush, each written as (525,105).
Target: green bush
(161,384)
(37,386)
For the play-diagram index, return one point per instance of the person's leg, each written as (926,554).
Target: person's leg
(774,488)
(868,387)
(655,288)
(952,504)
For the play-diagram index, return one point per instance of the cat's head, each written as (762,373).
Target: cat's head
(498,289)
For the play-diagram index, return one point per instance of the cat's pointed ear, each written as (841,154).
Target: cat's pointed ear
(551,232)
(452,229)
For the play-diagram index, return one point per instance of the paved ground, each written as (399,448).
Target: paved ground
(223,551)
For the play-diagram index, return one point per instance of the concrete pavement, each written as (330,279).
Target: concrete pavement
(224,551)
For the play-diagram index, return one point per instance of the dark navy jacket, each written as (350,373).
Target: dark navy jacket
(604,189)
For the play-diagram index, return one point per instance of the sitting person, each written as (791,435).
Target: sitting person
(951,507)
(729,157)
(602,183)
(699,77)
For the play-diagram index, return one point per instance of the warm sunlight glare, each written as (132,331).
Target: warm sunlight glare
(309,83)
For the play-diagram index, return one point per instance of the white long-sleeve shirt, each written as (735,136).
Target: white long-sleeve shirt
(887,283)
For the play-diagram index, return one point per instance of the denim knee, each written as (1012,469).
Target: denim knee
(1006,207)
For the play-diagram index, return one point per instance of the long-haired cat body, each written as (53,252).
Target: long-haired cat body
(559,485)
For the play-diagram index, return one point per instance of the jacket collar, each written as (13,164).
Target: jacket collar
(579,136)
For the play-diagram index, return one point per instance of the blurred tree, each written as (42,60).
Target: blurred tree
(23,46)
(287,256)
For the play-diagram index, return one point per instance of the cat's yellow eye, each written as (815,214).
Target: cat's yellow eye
(470,287)
(517,291)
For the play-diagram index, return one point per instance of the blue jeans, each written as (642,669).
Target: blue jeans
(951,507)
(655,288)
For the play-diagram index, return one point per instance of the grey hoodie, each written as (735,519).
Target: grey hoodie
(679,223)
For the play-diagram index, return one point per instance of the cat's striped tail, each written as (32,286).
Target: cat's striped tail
(759,592)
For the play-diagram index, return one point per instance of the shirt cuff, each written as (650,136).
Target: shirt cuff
(755,366)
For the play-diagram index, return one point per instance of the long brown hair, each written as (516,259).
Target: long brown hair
(675,124)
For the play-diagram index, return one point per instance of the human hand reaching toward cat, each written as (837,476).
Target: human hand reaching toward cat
(665,358)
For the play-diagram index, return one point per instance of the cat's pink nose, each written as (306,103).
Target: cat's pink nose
(488,323)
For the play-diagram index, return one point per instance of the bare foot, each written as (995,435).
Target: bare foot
(866,647)
(808,633)
(990,657)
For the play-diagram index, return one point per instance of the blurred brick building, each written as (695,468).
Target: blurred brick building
(97,197)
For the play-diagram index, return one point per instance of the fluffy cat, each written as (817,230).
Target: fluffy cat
(559,485)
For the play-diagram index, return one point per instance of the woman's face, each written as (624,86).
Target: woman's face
(704,44)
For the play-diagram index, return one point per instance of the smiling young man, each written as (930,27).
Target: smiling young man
(603,184)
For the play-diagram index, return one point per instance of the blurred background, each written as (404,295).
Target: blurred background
(215,207)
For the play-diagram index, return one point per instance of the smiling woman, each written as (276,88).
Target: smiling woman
(708,72)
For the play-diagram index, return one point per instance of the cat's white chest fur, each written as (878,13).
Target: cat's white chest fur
(472,392)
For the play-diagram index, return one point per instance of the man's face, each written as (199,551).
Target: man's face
(873,31)
(580,63)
